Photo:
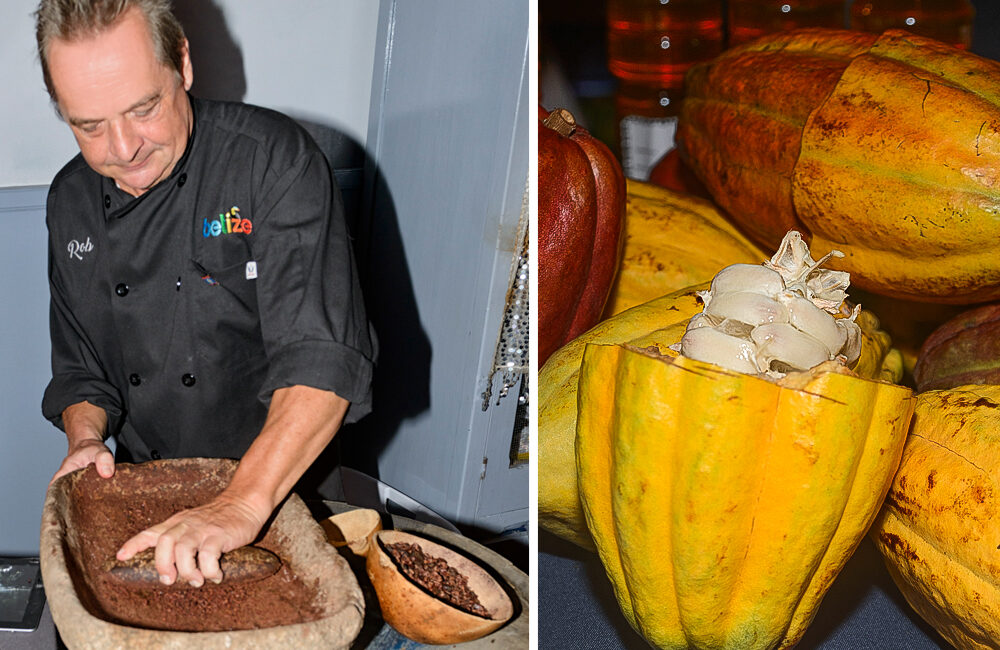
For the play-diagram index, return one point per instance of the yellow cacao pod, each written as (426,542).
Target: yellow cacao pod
(939,529)
(723,505)
(672,240)
(659,323)
(884,147)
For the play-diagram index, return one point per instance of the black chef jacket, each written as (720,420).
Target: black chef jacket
(180,311)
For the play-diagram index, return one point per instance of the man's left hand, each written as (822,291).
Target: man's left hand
(189,544)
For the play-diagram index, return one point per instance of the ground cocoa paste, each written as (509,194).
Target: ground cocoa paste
(436,576)
(105,513)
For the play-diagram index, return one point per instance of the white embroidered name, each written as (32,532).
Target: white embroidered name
(77,249)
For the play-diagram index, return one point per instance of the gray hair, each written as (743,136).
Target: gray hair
(73,19)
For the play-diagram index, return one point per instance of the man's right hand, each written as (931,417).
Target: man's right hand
(85,425)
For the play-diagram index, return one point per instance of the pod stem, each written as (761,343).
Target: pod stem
(561,121)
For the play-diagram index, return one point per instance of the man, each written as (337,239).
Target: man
(204,301)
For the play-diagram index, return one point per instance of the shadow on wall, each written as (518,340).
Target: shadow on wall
(215,55)
(402,377)
(401,384)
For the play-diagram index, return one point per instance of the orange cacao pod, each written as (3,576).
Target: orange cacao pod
(883,147)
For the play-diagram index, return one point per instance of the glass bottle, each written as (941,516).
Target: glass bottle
(656,41)
(651,45)
(750,19)
(949,21)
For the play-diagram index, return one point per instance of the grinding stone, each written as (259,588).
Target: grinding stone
(84,609)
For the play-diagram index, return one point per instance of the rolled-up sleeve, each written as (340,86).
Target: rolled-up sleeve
(77,373)
(312,313)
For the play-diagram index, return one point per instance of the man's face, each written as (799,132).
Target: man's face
(129,112)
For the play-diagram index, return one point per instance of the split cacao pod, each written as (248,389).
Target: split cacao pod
(939,527)
(723,505)
(656,324)
(964,350)
(581,206)
(884,147)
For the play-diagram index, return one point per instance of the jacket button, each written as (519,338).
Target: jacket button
(134,379)
(107,200)
(122,289)
(155,455)
(183,178)
(187,379)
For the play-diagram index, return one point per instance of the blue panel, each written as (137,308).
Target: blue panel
(32,448)
(448,159)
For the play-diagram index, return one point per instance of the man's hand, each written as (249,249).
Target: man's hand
(300,423)
(85,425)
(189,544)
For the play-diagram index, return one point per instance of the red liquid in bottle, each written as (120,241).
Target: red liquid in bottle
(751,19)
(655,41)
(949,21)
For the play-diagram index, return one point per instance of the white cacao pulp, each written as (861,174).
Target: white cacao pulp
(785,315)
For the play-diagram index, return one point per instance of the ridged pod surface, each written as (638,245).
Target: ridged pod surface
(723,505)
(963,350)
(744,112)
(886,148)
(940,526)
(659,324)
(672,240)
(581,207)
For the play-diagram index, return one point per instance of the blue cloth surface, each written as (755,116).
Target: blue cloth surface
(862,611)
(390,639)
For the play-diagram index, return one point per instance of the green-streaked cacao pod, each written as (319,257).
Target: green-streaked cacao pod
(884,147)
